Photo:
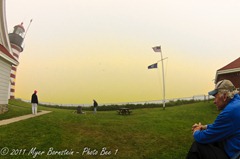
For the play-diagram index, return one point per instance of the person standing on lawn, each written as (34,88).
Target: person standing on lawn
(95,105)
(221,139)
(34,101)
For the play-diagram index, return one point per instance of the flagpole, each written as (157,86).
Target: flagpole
(158,49)
(163,81)
(27,29)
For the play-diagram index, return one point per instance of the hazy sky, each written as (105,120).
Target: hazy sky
(79,50)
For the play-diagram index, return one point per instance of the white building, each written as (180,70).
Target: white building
(6,59)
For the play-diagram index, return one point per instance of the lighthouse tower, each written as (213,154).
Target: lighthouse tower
(16,39)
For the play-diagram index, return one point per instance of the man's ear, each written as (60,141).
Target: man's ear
(225,97)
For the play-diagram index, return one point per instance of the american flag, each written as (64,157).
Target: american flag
(157,49)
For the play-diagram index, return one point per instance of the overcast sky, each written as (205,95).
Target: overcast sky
(79,50)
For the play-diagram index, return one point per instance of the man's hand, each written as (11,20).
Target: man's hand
(198,126)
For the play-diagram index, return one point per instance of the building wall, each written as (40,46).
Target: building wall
(6,59)
(16,52)
(4,81)
(233,77)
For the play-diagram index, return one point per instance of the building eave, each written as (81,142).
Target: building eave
(8,59)
(4,30)
(220,72)
(7,56)
(228,71)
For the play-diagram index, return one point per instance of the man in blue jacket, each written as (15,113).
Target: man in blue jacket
(221,139)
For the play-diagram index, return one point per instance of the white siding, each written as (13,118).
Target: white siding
(5,69)
(3,26)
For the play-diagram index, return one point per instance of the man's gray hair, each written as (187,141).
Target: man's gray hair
(230,94)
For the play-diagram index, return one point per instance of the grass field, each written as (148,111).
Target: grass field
(151,133)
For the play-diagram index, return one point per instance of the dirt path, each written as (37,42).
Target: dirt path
(16,119)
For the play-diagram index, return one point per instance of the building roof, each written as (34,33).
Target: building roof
(20,25)
(4,53)
(229,68)
(232,65)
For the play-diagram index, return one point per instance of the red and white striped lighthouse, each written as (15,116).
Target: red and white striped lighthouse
(16,39)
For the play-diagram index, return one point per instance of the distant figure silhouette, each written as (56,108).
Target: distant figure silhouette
(34,102)
(95,105)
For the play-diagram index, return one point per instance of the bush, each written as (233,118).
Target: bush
(130,106)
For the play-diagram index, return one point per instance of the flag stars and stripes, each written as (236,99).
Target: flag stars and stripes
(157,49)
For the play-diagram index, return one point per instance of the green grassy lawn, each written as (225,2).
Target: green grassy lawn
(151,133)
(17,108)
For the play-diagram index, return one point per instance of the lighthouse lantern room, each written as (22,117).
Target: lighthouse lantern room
(17,36)
(16,39)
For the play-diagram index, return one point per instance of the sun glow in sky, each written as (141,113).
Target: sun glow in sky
(79,50)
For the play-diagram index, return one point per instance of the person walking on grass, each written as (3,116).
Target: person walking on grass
(221,139)
(95,105)
(34,101)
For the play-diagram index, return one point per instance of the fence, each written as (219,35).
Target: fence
(196,97)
